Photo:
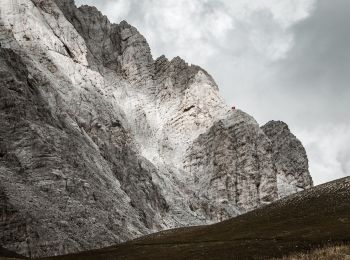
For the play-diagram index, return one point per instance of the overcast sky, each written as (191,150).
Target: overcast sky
(275,59)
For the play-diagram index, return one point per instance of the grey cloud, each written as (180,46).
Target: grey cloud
(310,89)
(316,72)
(343,158)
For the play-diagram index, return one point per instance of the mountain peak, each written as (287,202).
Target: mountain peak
(99,142)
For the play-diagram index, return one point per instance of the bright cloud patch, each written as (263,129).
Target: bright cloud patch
(328,151)
(172,26)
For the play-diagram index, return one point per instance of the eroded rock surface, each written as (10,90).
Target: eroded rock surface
(289,158)
(65,182)
(231,168)
(100,143)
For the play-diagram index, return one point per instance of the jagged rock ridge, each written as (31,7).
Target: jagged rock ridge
(100,143)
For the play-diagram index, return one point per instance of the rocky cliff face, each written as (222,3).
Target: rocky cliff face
(231,167)
(289,158)
(100,143)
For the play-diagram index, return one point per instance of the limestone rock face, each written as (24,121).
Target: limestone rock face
(100,143)
(119,47)
(231,167)
(58,179)
(290,159)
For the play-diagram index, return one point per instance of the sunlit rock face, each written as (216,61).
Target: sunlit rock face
(100,143)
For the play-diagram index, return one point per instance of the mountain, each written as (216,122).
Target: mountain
(315,218)
(100,143)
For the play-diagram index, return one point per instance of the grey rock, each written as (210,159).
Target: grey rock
(289,158)
(60,183)
(231,167)
(100,144)
(119,47)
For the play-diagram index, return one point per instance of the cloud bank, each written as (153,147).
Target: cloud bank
(276,59)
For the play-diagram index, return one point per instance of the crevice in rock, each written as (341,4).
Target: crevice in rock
(189,108)
(68,51)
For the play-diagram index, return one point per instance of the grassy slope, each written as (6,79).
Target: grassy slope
(309,219)
(340,252)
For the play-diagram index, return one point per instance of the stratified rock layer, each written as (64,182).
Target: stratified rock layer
(99,143)
(289,158)
(231,168)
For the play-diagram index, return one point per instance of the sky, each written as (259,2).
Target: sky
(275,59)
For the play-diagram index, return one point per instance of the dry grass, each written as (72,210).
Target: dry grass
(340,252)
(6,258)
